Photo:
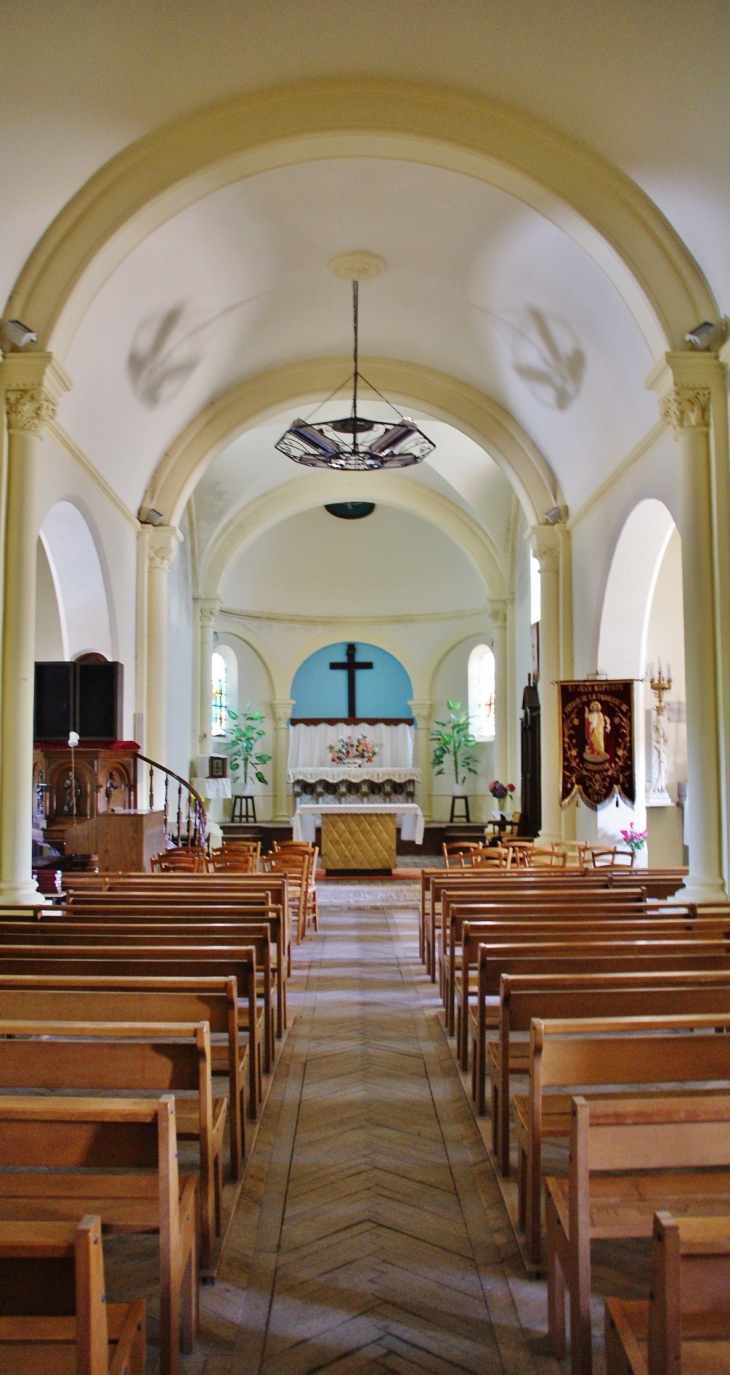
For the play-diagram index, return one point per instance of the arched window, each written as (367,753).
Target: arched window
(219,694)
(481,692)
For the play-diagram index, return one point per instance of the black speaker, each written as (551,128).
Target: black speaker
(100,698)
(54,712)
(87,698)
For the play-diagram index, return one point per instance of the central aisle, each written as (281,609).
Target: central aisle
(370,1228)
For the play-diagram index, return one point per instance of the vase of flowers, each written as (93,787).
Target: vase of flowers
(349,753)
(635,840)
(453,741)
(502,792)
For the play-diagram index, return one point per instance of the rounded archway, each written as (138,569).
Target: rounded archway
(70,568)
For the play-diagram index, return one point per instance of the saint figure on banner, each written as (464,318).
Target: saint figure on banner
(597,726)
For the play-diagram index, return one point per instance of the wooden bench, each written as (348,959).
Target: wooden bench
(610,1054)
(75,998)
(68,1057)
(628,1159)
(176,956)
(589,930)
(48,1150)
(54,1316)
(525,996)
(685,1325)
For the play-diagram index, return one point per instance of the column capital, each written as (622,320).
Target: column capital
(34,384)
(545,545)
(281,708)
(422,711)
(498,612)
(208,609)
(682,382)
(162,542)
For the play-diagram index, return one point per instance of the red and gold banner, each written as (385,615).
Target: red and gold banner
(597,741)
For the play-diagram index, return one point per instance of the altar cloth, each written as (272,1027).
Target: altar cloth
(334,773)
(408,816)
(309,745)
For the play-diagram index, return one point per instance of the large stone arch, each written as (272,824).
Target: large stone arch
(317,488)
(445,398)
(598,206)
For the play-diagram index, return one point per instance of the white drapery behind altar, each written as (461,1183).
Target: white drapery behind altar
(308,745)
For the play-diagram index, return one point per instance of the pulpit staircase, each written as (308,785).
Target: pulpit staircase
(184,818)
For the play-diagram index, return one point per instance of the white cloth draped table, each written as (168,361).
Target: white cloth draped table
(309,745)
(408,816)
(335,773)
(212,787)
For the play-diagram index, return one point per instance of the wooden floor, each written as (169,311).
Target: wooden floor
(370,1234)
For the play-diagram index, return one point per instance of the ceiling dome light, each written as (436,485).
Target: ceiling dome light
(354,444)
(350,510)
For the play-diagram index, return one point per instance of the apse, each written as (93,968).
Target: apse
(383,690)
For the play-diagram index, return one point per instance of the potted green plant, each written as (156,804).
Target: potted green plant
(241,741)
(453,740)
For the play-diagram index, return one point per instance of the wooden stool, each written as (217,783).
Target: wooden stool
(452,814)
(244,808)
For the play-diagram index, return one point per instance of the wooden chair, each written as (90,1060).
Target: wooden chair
(296,865)
(459,854)
(54,1316)
(187,859)
(241,862)
(288,847)
(629,1158)
(115,1157)
(686,1323)
(613,858)
(250,847)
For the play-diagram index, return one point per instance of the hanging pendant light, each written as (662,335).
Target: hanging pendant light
(355,444)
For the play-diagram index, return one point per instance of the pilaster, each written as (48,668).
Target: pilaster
(547,546)
(281,711)
(162,544)
(422,710)
(208,609)
(498,614)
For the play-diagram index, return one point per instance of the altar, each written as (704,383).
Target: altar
(359,835)
(389,778)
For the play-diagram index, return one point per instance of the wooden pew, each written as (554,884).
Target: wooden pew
(591,928)
(176,955)
(75,998)
(685,1325)
(54,1316)
(48,1148)
(628,1160)
(97,1056)
(637,1053)
(525,996)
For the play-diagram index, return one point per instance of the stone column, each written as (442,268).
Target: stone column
(422,751)
(546,546)
(33,385)
(161,550)
(281,709)
(687,408)
(208,612)
(498,613)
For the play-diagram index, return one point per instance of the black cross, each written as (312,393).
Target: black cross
(351,667)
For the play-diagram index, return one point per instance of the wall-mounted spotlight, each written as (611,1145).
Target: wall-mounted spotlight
(152,517)
(553,516)
(19,334)
(705,335)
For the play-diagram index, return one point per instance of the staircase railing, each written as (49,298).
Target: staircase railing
(190,822)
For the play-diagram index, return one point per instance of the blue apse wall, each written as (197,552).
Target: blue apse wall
(382,691)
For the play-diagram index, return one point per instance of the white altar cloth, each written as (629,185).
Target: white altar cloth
(309,745)
(407,815)
(334,773)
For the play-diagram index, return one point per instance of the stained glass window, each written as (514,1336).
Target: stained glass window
(219,697)
(481,692)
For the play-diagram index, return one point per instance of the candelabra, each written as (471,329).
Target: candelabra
(660,686)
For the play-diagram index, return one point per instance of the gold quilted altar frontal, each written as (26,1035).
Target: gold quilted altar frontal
(359,840)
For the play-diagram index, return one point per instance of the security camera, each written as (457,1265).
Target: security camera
(19,334)
(705,335)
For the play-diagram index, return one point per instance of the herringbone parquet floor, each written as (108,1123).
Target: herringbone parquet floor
(370,1234)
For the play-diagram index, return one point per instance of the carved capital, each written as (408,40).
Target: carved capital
(209,612)
(545,542)
(422,713)
(281,710)
(686,408)
(498,613)
(28,408)
(162,547)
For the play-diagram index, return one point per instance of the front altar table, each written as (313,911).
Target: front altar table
(359,835)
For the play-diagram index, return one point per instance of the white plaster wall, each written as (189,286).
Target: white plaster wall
(665,641)
(180,657)
(48,635)
(61,479)
(450,683)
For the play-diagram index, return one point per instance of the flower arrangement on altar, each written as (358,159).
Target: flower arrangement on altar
(636,840)
(501,790)
(349,751)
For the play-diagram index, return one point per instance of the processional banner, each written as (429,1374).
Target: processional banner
(597,741)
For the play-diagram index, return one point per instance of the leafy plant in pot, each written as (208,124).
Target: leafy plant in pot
(453,740)
(241,746)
